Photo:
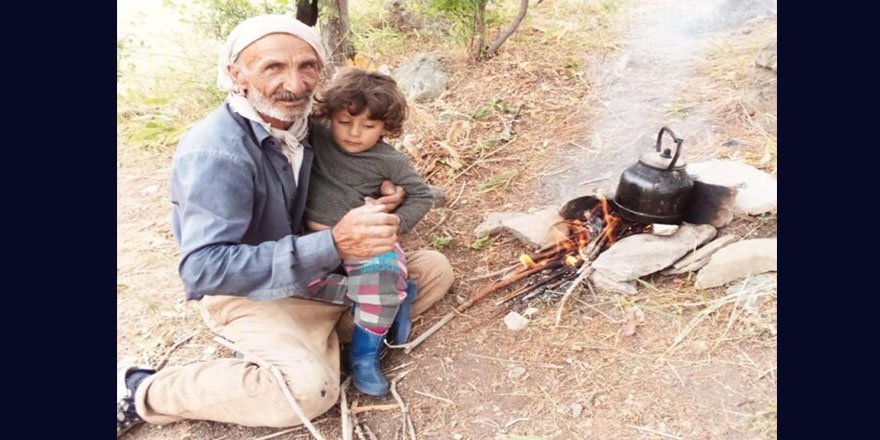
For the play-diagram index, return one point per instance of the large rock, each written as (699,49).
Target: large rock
(738,260)
(756,190)
(700,257)
(421,78)
(643,254)
(536,229)
(767,57)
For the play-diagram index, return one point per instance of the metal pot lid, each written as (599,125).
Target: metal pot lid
(661,160)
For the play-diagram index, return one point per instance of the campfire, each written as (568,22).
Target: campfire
(592,224)
(591,229)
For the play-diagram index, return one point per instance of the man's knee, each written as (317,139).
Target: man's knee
(432,271)
(314,391)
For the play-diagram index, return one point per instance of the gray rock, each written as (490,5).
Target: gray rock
(576,409)
(738,260)
(536,229)
(756,189)
(516,372)
(421,78)
(605,284)
(516,322)
(643,254)
(700,257)
(663,230)
(767,57)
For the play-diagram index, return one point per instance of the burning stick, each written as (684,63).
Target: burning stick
(527,289)
(585,270)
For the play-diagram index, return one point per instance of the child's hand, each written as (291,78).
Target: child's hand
(392,196)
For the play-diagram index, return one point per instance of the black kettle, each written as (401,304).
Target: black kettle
(657,189)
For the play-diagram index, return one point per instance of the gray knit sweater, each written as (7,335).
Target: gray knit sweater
(341,180)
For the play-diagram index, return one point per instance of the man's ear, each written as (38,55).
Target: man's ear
(237,77)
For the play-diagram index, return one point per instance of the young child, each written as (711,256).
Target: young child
(351,162)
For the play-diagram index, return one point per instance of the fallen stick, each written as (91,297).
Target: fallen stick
(347,428)
(584,272)
(363,409)
(400,400)
(279,380)
(526,289)
(173,348)
(408,347)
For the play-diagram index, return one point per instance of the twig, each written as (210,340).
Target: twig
(435,397)
(662,434)
(276,434)
(358,431)
(504,271)
(584,273)
(399,399)
(504,282)
(363,409)
(174,347)
(347,428)
(460,192)
(370,432)
(279,380)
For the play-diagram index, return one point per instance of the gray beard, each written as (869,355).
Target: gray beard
(263,106)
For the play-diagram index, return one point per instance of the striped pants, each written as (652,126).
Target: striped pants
(375,286)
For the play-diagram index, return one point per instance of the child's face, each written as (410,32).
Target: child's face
(356,133)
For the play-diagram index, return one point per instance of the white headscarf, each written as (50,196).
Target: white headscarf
(258,27)
(244,34)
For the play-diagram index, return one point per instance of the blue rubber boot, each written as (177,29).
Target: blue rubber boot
(363,357)
(402,325)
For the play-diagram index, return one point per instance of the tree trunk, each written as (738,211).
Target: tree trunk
(493,48)
(480,30)
(336,34)
(307,11)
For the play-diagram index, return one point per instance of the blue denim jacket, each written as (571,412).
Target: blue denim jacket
(237,213)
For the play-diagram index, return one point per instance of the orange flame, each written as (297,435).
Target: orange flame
(570,260)
(527,261)
(610,221)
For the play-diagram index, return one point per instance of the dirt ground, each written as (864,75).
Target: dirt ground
(592,376)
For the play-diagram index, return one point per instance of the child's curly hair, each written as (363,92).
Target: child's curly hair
(358,90)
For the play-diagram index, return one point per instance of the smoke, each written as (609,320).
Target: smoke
(638,86)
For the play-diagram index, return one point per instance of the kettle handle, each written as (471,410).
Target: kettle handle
(678,142)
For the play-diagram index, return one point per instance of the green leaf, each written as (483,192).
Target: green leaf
(440,242)
(481,243)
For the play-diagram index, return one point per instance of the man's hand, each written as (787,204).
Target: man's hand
(392,196)
(365,231)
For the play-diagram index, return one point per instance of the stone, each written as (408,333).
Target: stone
(515,322)
(643,254)
(738,260)
(756,190)
(753,291)
(700,257)
(421,78)
(605,284)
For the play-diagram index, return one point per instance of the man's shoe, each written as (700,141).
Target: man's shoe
(127,380)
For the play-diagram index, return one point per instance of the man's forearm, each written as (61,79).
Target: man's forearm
(271,270)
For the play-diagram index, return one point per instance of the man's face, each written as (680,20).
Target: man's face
(356,133)
(278,74)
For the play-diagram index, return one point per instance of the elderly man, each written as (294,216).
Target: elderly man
(239,182)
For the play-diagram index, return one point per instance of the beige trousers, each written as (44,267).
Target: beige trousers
(298,336)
